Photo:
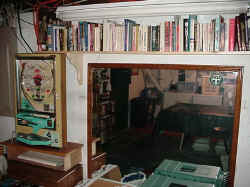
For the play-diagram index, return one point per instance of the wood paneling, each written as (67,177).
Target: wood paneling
(8,48)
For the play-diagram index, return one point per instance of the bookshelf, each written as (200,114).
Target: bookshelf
(149,26)
(176,33)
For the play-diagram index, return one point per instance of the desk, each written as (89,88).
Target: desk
(44,176)
(194,119)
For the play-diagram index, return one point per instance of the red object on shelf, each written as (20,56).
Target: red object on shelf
(231,34)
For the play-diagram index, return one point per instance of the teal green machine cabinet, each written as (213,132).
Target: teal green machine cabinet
(172,173)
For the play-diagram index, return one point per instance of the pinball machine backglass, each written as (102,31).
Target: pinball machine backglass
(41,99)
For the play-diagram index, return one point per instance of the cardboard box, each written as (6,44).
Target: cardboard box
(111,178)
(108,183)
(113,174)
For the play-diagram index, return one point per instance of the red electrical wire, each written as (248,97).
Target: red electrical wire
(62,1)
(47,2)
(36,11)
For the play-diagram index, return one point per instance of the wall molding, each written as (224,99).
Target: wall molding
(151,8)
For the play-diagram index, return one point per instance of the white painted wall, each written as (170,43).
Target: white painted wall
(28,34)
(7,126)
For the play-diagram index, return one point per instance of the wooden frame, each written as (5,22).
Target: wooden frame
(237,105)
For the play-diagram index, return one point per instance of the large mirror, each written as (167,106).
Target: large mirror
(143,114)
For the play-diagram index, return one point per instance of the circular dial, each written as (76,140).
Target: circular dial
(37,81)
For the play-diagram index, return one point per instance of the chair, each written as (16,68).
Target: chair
(219,133)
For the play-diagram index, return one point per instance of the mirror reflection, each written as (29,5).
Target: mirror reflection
(143,116)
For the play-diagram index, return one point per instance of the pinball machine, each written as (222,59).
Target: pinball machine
(41,99)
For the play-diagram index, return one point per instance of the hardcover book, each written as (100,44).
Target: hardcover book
(192,21)
(231,34)
(185,35)
(242,19)
(167,36)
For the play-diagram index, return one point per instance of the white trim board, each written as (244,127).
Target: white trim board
(152,8)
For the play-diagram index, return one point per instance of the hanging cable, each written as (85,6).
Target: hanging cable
(26,21)
(20,30)
(20,41)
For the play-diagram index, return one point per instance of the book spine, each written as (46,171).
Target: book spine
(149,38)
(55,39)
(134,39)
(140,38)
(217,34)
(97,38)
(227,35)
(213,34)
(85,30)
(70,45)
(222,37)
(170,36)
(173,36)
(117,39)
(82,38)
(137,37)
(181,34)
(153,38)
(79,26)
(209,37)
(145,38)
(231,40)
(185,35)
(73,36)
(126,35)
(50,37)
(237,34)
(89,36)
(177,27)
(65,41)
(192,21)
(112,37)
(61,39)
(162,36)
(248,31)
(101,37)
(243,31)
(92,36)
(105,36)
(197,37)
(167,31)
(204,37)
(158,37)
(201,37)
(58,39)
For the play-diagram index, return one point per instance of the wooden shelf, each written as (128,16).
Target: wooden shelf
(44,176)
(148,53)
(71,153)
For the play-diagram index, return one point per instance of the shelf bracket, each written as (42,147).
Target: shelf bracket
(77,61)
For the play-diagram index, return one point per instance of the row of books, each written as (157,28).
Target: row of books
(176,35)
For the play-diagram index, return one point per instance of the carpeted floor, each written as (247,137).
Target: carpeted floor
(134,151)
